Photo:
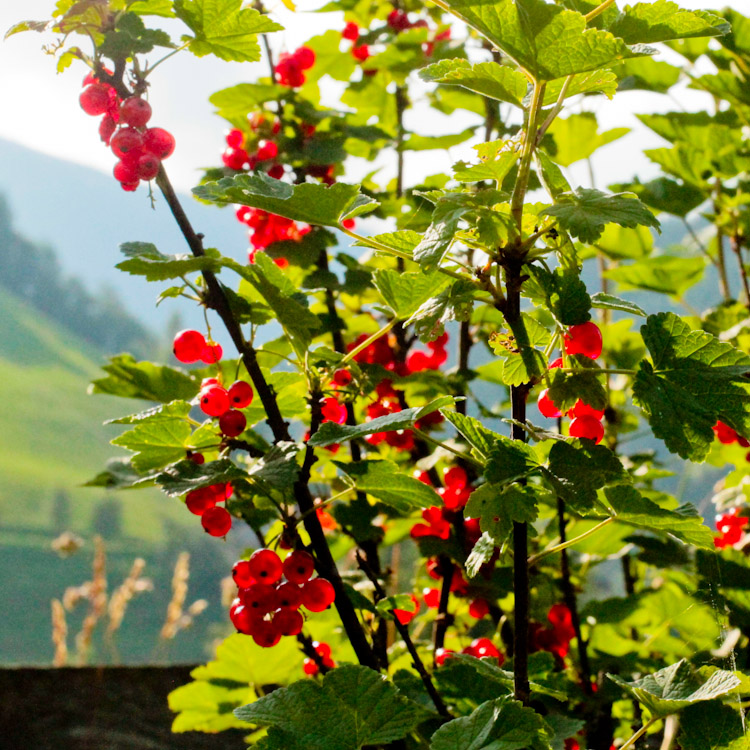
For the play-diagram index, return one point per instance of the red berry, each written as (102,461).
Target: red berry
(585,339)
(584,410)
(318,594)
(309,667)
(404,616)
(361,53)
(242,619)
(298,567)
(305,58)
(217,521)
(418,361)
(431,597)
(235,138)
(259,597)
(276,171)
(288,621)
(265,566)
(188,346)
(479,608)
(266,635)
(158,142)
(481,647)
(209,381)
(547,405)
(94,99)
(214,401)
(130,187)
(126,141)
(200,500)
(232,423)
(106,128)
(350,32)
(442,655)
(240,394)
(196,458)
(587,428)
(455,477)
(148,167)
(289,596)
(342,378)
(267,150)
(323,650)
(242,575)
(125,172)
(135,111)
(333,411)
(724,433)
(235,158)
(211,353)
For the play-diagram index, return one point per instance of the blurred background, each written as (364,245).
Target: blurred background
(64,308)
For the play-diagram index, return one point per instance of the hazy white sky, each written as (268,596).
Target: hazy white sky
(40,108)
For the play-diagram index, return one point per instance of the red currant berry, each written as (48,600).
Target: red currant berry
(196,458)
(456,478)
(209,381)
(584,410)
(235,138)
(266,635)
(724,433)
(289,596)
(479,608)
(267,150)
(106,128)
(232,423)
(481,647)
(135,111)
(242,619)
(305,58)
(126,141)
(585,339)
(276,171)
(361,53)
(130,187)
(350,32)
(265,566)
(322,649)
(288,621)
(214,401)
(547,405)
(217,521)
(235,158)
(309,667)
(442,655)
(212,353)
(240,394)
(148,167)
(431,597)
(125,172)
(333,411)
(200,500)
(404,616)
(94,99)
(298,567)
(318,594)
(587,428)
(342,378)
(242,575)
(259,597)
(159,142)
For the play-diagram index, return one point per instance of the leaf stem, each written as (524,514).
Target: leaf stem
(631,742)
(569,543)
(592,15)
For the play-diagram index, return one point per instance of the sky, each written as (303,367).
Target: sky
(41,109)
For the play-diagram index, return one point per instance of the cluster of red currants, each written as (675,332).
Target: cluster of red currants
(586,421)
(399,21)
(204,502)
(256,148)
(555,639)
(269,228)
(360,52)
(727,436)
(291,67)
(266,606)
(141,150)
(323,650)
(730,527)
(480,648)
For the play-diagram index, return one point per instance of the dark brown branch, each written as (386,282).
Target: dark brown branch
(403,631)
(736,242)
(443,619)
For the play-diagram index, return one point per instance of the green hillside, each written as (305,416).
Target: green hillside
(52,442)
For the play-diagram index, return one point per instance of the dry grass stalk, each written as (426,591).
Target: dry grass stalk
(59,634)
(228,591)
(180,579)
(132,585)
(97,601)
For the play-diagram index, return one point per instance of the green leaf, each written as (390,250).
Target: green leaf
(603,301)
(711,725)
(404,241)
(384,481)
(152,8)
(311,203)
(352,707)
(186,475)
(479,437)
(647,73)
(278,468)
(481,553)
(604,81)
(496,158)
(159,437)
(416,142)
(501,724)
(406,292)
(665,194)
(331,432)
(489,79)
(224,28)
(130,379)
(578,469)
(565,293)
(453,303)
(119,474)
(145,260)
(684,522)
(586,384)
(524,363)
(666,274)
(577,137)
(22,26)
(509,460)
(497,508)
(676,687)
(551,176)
(234,103)
(661,21)
(585,212)
(694,381)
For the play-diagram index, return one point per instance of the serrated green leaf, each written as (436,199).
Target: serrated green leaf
(604,81)
(501,724)
(291,392)
(577,470)
(18,28)
(453,303)
(663,20)
(224,28)
(311,203)
(479,437)
(712,725)
(384,481)
(676,687)
(577,137)
(488,79)
(550,175)
(665,194)
(330,432)
(566,388)
(416,142)
(565,293)
(234,103)
(603,301)
(497,158)
(666,274)
(509,460)
(119,474)
(480,554)
(647,73)
(166,412)
(354,706)
(404,241)
(131,379)
(161,8)
(184,476)
(145,260)
(585,212)
(497,508)
(406,292)
(278,468)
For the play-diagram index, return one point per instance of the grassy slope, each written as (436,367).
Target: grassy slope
(51,440)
